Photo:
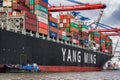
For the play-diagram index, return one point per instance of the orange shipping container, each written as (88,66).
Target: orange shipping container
(52,19)
(43,31)
(72,29)
(66,16)
(53,29)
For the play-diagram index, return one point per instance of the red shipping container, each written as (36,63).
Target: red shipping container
(29,14)
(27,2)
(60,36)
(68,33)
(30,21)
(60,32)
(96,39)
(42,25)
(19,7)
(31,7)
(43,31)
(30,27)
(41,2)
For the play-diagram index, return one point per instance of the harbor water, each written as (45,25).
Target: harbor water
(102,75)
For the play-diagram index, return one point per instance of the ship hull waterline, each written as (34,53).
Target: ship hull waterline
(16,48)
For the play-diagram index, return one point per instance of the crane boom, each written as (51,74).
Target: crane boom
(106,30)
(112,34)
(76,7)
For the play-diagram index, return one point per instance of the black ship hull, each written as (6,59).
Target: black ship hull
(16,48)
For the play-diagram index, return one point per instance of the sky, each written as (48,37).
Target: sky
(111,15)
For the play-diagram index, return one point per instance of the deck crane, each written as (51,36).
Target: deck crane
(76,7)
(81,17)
(99,18)
(116,46)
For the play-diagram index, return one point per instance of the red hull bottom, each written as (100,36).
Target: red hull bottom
(68,69)
(62,68)
(1,67)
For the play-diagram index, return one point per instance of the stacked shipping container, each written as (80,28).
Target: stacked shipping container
(74,29)
(39,7)
(95,38)
(108,44)
(63,23)
(85,35)
(67,28)
(53,27)
(102,42)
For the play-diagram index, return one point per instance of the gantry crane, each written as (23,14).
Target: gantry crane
(76,7)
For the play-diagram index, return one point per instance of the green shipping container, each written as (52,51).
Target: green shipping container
(32,11)
(68,39)
(31,2)
(97,34)
(73,25)
(102,41)
(108,44)
(41,8)
(68,29)
(64,37)
(84,26)
(79,29)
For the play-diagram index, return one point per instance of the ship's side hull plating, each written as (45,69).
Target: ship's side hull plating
(17,48)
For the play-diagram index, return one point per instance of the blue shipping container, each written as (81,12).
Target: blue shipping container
(1,4)
(86,41)
(53,34)
(45,1)
(76,37)
(53,24)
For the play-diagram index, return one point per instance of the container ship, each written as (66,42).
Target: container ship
(30,34)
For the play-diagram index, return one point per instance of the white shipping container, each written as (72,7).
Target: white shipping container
(84,30)
(75,21)
(72,20)
(63,33)
(1,8)
(61,24)
(58,21)
(9,0)
(4,3)
(37,12)
(14,13)
(74,41)
(64,21)
(9,4)
(41,19)
(42,14)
